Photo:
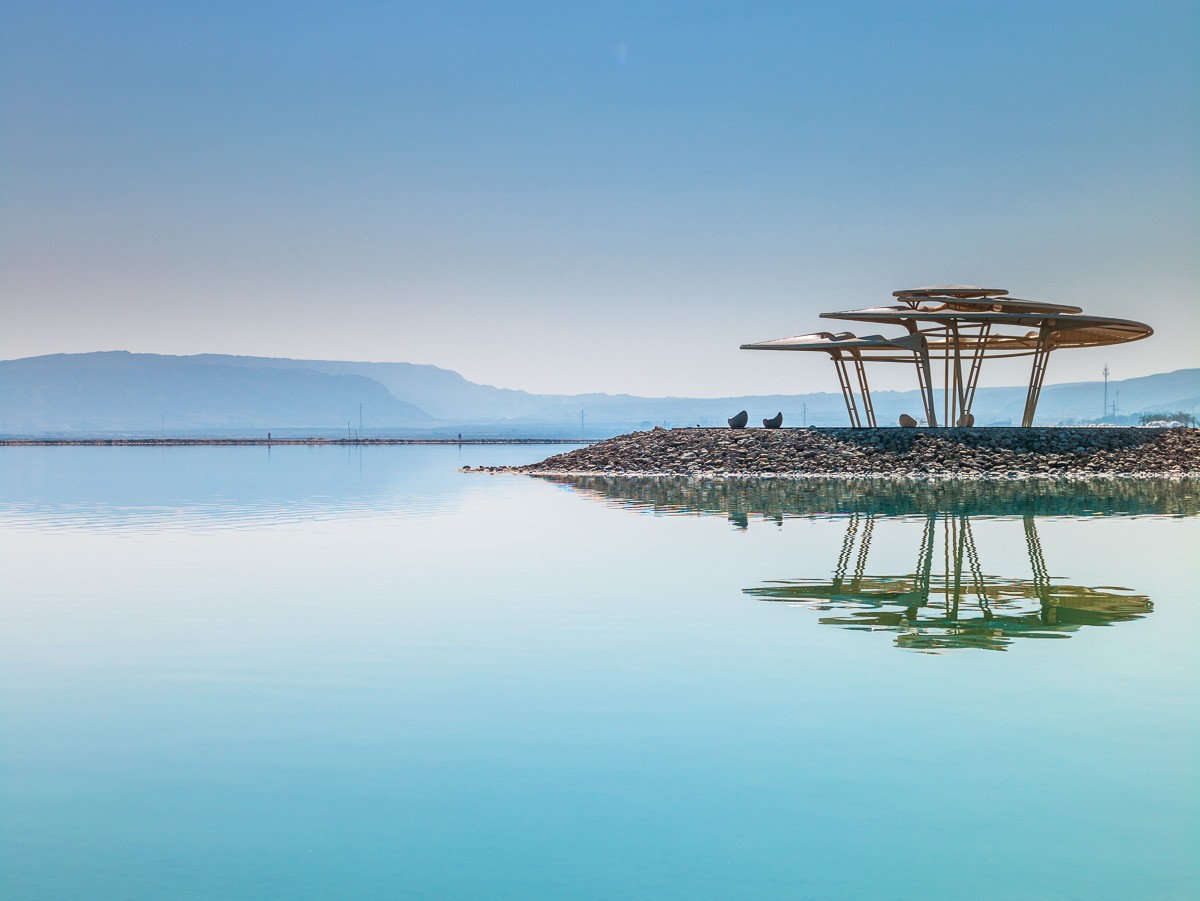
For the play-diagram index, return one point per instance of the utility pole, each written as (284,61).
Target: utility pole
(804,414)
(581,424)
(360,419)
(1105,391)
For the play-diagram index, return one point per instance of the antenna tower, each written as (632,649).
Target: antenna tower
(1105,391)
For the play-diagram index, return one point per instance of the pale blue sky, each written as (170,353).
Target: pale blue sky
(562,197)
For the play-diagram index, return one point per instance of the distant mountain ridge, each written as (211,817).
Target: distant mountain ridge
(116,392)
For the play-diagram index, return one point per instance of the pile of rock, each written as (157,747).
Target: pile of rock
(889,452)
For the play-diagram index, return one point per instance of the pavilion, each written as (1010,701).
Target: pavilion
(957,326)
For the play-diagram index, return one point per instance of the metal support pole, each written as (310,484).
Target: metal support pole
(925,380)
(847,392)
(921,385)
(1041,356)
(976,365)
(861,371)
(960,392)
(946,380)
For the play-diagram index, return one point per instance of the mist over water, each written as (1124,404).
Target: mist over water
(358,672)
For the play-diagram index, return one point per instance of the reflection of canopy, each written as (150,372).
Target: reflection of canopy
(932,611)
(958,325)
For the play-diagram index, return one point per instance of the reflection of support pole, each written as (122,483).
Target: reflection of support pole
(976,571)
(847,549)
(946,541)
(925,558)
(1041,356)
(861,371)
(1041,579)
(847,392)
(921,576)
(864,547)
(960,534)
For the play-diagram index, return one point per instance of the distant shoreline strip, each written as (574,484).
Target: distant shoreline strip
(241,442)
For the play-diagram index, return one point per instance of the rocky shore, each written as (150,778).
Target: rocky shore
(986,453)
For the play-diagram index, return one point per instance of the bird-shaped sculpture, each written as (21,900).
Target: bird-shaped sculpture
(739,421)
(774,422)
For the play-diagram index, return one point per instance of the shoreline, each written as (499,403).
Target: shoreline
(997,454)
(847,476)
(271,442)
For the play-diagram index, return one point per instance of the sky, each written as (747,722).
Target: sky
(569,197)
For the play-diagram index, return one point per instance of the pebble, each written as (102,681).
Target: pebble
(915,453)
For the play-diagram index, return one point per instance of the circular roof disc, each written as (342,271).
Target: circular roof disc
(1067,329)
(950,291)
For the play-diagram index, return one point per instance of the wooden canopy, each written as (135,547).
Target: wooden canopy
(960,326)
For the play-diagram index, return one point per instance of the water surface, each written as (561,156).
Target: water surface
(332,672)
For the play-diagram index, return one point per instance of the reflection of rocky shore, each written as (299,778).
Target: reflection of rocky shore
(948,601)
(740,499)
(995,453)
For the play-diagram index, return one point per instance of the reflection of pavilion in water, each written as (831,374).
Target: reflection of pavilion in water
(947,600)
(958,605)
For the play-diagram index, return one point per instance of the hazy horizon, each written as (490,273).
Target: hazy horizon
(565,200)
(899,383)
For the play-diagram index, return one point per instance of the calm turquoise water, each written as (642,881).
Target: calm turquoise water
(322,672)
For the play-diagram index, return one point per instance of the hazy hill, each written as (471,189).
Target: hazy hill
(119,392)
(443,393)
(450,397)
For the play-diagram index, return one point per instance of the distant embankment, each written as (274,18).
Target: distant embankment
(1004,453)
(273,442)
